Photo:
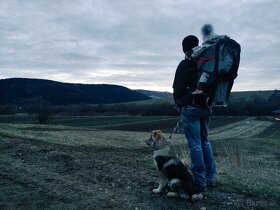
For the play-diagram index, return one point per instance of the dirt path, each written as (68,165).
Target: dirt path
(38,175)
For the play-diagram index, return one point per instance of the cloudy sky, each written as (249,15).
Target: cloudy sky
(133,43)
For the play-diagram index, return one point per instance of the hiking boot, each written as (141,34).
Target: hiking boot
(211,183)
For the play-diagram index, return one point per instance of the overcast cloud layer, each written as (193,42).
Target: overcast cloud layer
(133,43)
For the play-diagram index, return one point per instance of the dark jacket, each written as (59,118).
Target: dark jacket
(184,84)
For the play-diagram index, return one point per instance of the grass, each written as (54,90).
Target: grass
(247,95)
(234,96)
(14,119)
(248,165)
(273,132)
(221,121)
(87,121)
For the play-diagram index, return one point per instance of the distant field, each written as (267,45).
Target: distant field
(247,95)
(89,121)
(103,163)
(125,123)
(242,95)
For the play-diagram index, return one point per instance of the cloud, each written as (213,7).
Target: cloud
(132,43)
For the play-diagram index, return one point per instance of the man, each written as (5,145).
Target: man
(195,118)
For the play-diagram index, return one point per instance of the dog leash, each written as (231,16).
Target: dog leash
(176,129)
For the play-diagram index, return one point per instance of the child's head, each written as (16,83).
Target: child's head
(207,30)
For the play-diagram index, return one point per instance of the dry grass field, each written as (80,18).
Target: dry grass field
(103,163)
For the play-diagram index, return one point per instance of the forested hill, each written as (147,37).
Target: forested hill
(21,91)
(155,94)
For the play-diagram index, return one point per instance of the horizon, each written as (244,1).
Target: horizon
(125,86)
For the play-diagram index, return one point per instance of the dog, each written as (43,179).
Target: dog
(174,176)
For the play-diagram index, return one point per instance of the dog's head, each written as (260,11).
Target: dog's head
(157,140)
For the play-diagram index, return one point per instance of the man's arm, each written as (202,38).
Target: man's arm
(184,83)
(179,80)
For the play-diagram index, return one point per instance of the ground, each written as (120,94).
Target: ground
(90,167)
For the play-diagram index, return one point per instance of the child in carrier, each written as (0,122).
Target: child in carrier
(209,39)
(218,61)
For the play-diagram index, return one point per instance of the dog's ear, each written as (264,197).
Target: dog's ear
(157,134)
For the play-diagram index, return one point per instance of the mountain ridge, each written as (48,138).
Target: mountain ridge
(26,91)
(155,94)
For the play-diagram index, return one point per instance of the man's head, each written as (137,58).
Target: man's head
(189,42)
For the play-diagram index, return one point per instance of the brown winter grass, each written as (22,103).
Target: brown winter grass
(248,164)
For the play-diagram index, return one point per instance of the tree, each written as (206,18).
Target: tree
(43,115)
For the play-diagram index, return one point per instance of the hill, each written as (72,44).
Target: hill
(250,95)
(155,94)
(21,91)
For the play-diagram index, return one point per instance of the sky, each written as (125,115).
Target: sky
(133,43)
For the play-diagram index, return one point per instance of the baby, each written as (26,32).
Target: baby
(209,38)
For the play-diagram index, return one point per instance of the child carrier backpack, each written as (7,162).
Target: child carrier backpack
(220,58)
